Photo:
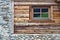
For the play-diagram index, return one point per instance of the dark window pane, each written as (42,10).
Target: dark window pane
(36,15)
(36,10)
(44,10)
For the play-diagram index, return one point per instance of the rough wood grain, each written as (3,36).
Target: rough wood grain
(24,25)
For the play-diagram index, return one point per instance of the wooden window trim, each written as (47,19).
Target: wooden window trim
(31,13)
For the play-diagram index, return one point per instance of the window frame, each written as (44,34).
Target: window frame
(31,12)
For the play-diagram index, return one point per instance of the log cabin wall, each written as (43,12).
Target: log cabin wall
(56,13)
(22,15)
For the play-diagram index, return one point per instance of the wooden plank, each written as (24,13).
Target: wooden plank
(21,7)
(56,15)
(21,11)
(22,15)
(36,24)
(21,20)
(56,12)
(34,3)
(39,27)
(51,13)
(37,31)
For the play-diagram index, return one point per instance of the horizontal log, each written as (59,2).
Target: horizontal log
(21,11)
(37,31)
(22,15)
(34,3)
(56,15)
(26,24)
(21,7)
(21,19)
(40,27)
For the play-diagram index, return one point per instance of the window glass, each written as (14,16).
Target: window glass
(45,10)
(36,15)
(36,10)
(44,15)
(40,13)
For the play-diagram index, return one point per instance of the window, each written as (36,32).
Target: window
(40,13)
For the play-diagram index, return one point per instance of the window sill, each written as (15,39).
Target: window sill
(42,21)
